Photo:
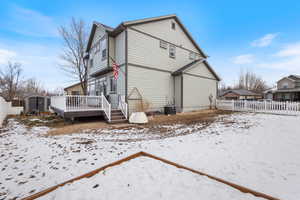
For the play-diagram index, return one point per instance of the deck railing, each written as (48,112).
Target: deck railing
(74,103)
(83,103)
(287,108)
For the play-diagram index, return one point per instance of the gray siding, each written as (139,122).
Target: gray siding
(196,92)
(162,29)
(285,82)
(155,86)
(177,92)
(145,50)
(98,62)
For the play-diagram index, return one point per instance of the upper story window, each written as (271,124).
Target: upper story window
(163,44)
(103,48)
(173,25)
(192,56)
(285,85)
(172,51)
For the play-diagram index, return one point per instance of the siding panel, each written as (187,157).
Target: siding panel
(162,29)
(98,62)
(155,86)
(196,92)
(145,50)
(200,69)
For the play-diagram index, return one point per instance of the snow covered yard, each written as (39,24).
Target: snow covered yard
(258,151)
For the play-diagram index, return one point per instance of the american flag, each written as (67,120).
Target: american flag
(115,70)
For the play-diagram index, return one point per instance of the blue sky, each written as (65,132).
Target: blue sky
(262,36)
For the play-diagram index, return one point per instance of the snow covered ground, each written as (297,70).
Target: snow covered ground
(258,151)
(146,178)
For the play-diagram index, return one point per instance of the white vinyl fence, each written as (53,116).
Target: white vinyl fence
(7,109)
(285,108)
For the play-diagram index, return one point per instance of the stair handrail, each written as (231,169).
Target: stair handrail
(123,106)
(106,107)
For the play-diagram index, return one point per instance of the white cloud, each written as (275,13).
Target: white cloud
(289,50)
(6,55)
(264,41)
(243,59)
(29,22)
(287,59)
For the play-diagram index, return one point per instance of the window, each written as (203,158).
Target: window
(104,54)
(192,56)
(173,25)
(172,51)
(91,62)
(113,85)
(103,49)
(163,44)
(285,85)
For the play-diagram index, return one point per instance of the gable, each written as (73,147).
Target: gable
(202,69)
(97,33)
(162,29)
(285,82)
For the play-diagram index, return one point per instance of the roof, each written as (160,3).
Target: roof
(185,67)
(287,90)
(123,25)
(241,92)
(291,77)
(294,77)
(71,86)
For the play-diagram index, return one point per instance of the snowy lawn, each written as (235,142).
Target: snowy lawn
(258,151)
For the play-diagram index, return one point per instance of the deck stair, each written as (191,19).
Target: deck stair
(117,117)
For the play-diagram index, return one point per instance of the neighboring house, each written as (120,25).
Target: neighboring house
(159,62)
(239,94)
(74,89)
(288,89)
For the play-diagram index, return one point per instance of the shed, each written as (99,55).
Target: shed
(36,103)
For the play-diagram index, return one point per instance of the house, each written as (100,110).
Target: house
(158,58)
(74,89)
(288,89)
(159,62)
(239,94)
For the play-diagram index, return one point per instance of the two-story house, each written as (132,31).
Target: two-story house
(288,89)
(159,62)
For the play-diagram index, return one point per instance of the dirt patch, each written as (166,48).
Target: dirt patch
(49,120)
(187,118)
(162,126)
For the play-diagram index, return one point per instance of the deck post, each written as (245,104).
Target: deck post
(102,100)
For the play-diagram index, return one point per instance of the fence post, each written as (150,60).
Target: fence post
(246,105)
(65,102)
(232,104)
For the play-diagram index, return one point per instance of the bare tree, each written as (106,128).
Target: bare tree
(31,86)
(75,37)
(250,81)
(9,80)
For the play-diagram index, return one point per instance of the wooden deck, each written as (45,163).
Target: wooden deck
(71,114)
(73,106)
